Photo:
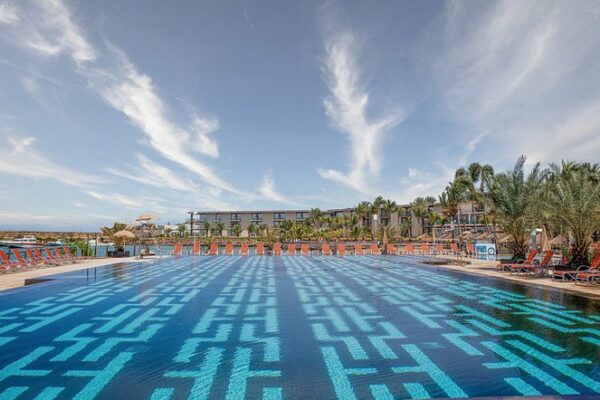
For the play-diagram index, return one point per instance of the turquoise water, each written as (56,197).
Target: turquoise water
(294,328)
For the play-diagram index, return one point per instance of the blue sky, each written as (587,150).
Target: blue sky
(110,109)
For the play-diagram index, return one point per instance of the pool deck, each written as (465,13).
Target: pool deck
(17,279)
(476,267)
(488,268)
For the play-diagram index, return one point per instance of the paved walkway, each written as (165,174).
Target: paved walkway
(488,268)
(17,279)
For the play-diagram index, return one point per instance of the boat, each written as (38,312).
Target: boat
(24,242)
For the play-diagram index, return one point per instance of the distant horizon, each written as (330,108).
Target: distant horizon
(109,110)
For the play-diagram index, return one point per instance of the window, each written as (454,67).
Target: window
(234,217)
(300,216)
(201,217)
(256,217)
(217,218)
(278,215)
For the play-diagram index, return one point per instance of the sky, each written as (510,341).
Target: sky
(111,109)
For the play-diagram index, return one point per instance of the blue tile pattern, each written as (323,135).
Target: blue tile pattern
(292,327)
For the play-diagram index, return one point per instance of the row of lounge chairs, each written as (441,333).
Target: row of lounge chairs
(326,249)
(583,274)
(33,258)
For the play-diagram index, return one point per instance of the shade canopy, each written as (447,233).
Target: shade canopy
(145,217)
(559,240)
(424,237)
(124,234)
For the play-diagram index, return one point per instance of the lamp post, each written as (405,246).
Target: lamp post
(373,224)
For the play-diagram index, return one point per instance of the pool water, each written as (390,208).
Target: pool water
(294,328)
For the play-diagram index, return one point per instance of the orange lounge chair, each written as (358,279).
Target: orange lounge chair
(528,261)
(439,249)
(470,250)
(454,249)
(358,250)
(374,250)
(304,249)
(61,257)
(260,249)
(244,249)
(425,250)
(341,249)
(410,249)
(73,256)
(214,249)
(23,263)
(534,268)
(390,249)
(42,258)
(229,249)
(291,249)
(196,249)
(6,263)
(592,274)
(277,249)
(51,257)
(326,249)
(35,259)
(177,250)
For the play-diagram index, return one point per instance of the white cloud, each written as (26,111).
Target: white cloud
(19,157)
(8,14)
(346,108)
(151,173)
(269,191)
(48,28)
(125,201)
(517,71)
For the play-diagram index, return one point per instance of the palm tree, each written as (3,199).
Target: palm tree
(236,230)
(363,211)
(316,217)
(420,208)
(572,202)
(389,207)
(110,232)
(514,196)
(218,228)
(181,229)
(206,227)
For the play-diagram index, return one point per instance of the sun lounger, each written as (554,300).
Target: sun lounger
(277,249)
(375,250)
(528,261)
(22,262)
(62,257)
(589,274)
(51,257)
(425,250)
(244,249)
(390,249)
(72,256)
(410,249)
(470,250)
(214,249)
(341,249)
(358,250)
(6,263)
(34,258)
(326,249)
(533,268)
(196,249)
(229,249)
(291,249)
(260,249)
(439,249)
(304,249)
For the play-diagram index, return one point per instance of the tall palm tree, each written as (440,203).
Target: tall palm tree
(389,207)
(316,217)
(207,228)
(572,201)
(514,196)
(363,211)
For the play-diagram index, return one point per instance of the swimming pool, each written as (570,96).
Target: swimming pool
(294,328)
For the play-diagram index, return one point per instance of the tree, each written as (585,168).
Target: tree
(236,230)
(217,229)
(514,196)
(110,232)
(316,217)
(420,208)
(206,227)
(181,228)
(389,207)
(572,202)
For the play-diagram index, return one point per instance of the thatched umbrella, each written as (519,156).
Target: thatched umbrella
(545,245)
(424,238)
(125,234)
(559,240)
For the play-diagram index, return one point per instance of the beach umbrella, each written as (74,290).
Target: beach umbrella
(145,217)
(545,245)
(559,240)
(424,238)
(125,234)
